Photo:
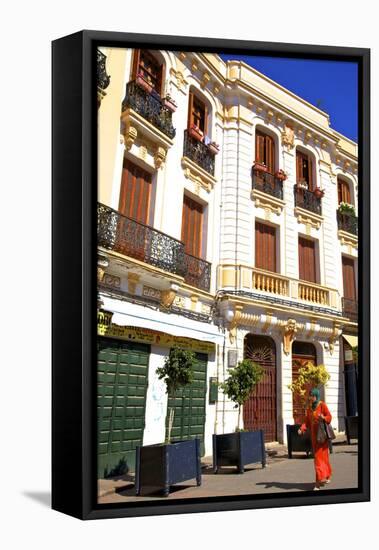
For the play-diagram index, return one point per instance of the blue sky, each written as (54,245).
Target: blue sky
(330,85)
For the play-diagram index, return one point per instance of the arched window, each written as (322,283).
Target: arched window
(265,150)
(304,170)
(147,67)
(344,194)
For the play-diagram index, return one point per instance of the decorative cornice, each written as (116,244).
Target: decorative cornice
(265,201)
(196,174)
(308,218)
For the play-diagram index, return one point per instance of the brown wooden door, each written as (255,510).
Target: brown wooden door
(265,247)
(134,204)
(192,226)
(302,353)
(348,272)
(307,260)
(259,412)
(343,192)
(304,169)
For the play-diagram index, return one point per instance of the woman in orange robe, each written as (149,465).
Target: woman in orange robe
(317,411)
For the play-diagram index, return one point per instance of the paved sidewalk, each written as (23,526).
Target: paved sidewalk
(280,475)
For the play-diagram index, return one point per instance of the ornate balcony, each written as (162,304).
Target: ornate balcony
(199,153)
(306,200)
(150,107)
(347,223)
(131,238)
(267,183)
(350,309)
(103,79)
(197,272)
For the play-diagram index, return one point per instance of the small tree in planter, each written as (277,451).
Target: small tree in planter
(241,447)
(346,208)
(177,372)
(161,465)
(241,383)
(309,376)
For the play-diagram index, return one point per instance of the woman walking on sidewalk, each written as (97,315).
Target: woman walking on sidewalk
(317,412)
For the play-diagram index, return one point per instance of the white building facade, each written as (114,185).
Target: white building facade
(226,224)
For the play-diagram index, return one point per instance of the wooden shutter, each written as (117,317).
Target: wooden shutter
(265,247)
(343,192)
(307,260)
(205,120)
(136,58)
(348,273)
(135,192)
(192,226)
(270,154)
(311,185)
(259,147)
(299,166)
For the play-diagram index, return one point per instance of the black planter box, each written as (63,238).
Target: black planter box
(238,449)
(298,443)
(162,465)
(351,427)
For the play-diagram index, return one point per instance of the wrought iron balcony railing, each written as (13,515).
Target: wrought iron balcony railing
(307,200)
(139,241)
(350,309)
(267,183)
(197,272)
(347,222)
(150,107)
(199,153)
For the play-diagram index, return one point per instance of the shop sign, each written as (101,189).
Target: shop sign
(148,336)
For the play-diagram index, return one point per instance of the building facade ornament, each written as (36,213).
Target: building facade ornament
(168,297)
(288,137)
(133,280)
(289,335)
(130,136)
(159,157)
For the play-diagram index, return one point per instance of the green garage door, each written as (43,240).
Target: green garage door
(189,405)
(122,371)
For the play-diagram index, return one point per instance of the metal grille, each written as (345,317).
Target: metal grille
(259,412)
(347,222)
(197,272)
(199,153)
(307,200)
(350,309)
(267,183)
(134,239)
(150,107)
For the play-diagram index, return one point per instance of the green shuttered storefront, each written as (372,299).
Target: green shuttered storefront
(122,374)
(189,405)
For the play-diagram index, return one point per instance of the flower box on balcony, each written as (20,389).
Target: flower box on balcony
(281,175)
(169,103)
(143,83)
(213,148)
(319,193)
(346,208)
(196,133)
(259,166)
(302,184)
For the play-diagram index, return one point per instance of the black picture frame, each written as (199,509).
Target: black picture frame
(74,274)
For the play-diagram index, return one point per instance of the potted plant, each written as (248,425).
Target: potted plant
(309,376)
(213,147)
(140,80)
(162,465)
(281,175)
(302,184)
(169,103)
(195,132)
(241,447)
(346,208)
(318,192)
(259,166)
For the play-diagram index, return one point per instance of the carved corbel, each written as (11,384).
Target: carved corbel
(205,79)
(100,273)
(234,323)
(130,137)
(159,157)
(133,279)
(288,137)
(336,333)
(168,297)
(289,335)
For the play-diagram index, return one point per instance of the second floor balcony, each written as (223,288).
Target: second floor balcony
(307,200)
(199,153)
(267,183)
(139,241)
(350,309)
(149,105)
(347,222)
